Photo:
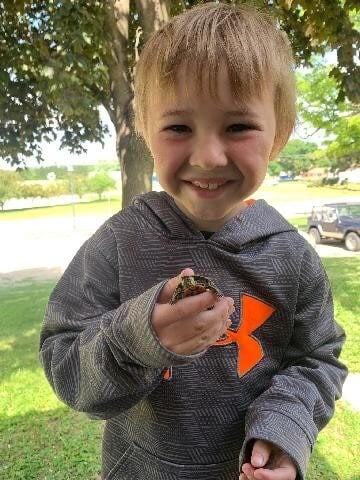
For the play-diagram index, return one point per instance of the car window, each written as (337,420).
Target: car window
(329,215)
(350,211)
(354,210)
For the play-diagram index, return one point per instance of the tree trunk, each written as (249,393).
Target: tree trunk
(137,170)
(135,160)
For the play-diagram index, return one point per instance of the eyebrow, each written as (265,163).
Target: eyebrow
(238,112)
(173,113)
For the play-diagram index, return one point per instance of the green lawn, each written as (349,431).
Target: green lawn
(42,439)
(93,207)
(297,191)
(344,274)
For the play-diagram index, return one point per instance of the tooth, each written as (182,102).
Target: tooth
(201,185)
(207,186)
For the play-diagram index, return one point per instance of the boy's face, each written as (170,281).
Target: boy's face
(210,155)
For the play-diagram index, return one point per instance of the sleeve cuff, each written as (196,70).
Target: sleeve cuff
(281,430)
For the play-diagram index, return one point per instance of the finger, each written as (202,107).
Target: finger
(166,314)
(193,333)
(282,473)
(169,287)
(261,453)
(199,343)
(280,468)
(194,305)
(248,471)
(231,306)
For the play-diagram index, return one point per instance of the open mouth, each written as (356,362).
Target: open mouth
(206,185)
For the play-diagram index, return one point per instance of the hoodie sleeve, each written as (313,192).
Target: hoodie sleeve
(300,399)
(101,356)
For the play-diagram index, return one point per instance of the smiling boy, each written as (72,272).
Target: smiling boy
(210,387)
(210,155)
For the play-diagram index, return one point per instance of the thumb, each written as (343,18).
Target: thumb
(260,453)
(169,287)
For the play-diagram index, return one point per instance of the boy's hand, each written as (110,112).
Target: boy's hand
(268,462)
(188,326)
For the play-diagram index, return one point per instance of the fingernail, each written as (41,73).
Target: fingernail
(228,323)
(257,460)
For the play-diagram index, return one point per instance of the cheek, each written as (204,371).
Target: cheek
(167,157)
(251,155)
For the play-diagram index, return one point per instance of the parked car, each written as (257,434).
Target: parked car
(338,221)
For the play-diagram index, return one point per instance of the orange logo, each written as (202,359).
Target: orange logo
(254,313)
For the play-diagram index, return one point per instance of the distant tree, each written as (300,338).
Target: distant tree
(340,120)
(8,186)
(56,188)
(61,60)
(344,151)
(295,158)
(81,184)
(41,173)
(31,190)
(100,183)
(275,168)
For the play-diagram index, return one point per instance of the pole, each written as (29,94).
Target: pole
(71,170)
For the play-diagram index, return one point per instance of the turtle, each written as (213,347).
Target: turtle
(190,285)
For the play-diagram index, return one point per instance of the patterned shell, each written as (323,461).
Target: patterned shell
(193,285)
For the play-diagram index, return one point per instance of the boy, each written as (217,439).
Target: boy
(188,387)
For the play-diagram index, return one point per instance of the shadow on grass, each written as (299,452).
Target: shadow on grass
(58,445)
(22,311)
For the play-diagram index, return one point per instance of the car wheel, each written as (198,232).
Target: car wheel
(352,242)
(315,235)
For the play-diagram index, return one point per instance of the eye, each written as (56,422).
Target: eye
(178,129)
(239,127)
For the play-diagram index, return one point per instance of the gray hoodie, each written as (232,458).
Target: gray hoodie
(274,375)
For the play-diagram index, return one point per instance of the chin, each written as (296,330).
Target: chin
(210,218)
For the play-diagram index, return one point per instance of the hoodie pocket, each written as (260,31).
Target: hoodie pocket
(137,464)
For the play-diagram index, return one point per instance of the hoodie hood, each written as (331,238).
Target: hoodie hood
(258,221)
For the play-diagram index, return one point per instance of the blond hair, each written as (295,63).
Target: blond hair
(254,51)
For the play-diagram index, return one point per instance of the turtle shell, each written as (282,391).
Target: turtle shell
(193,285)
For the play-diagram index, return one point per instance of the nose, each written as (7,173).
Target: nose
(208,152)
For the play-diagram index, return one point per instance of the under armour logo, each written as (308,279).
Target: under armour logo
(254,313)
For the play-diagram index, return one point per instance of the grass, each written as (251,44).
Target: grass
(93,207)
(299,222)
(42,439)
(344,275)
(296,191)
